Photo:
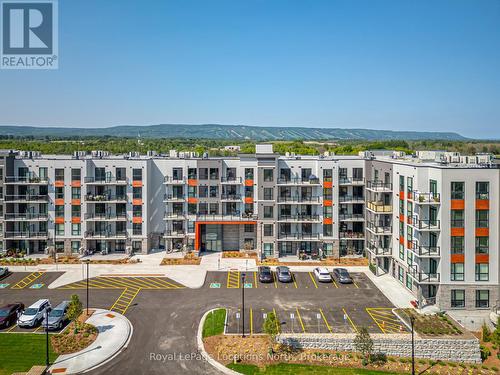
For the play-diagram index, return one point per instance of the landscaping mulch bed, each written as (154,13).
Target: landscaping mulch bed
(255,350)
(434,325)
(188,260)
(68,341)
(240,254)
(61,260)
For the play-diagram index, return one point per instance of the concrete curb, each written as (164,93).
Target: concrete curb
(199,339)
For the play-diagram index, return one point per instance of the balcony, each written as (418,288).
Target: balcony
(297,199)
(299,218)
(424,277)
(170,180)
(425,198)
(299,236)
(351,180)
(351,199)
(350,235)
(351,217)
(106,180)
(105,235)
(174,216)
(425,250)
(379,228)
(109,198)
(230,197)
(105,217)
(298,181)
(379,207)
(26,217)
(26,180)
(379,186)
(379,250)
(174,198)
(26,235)
(424,224)
(174,234)
(230,180)
(26,198)
(225,217)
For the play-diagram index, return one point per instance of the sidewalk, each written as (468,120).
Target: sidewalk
(115,332)
(392,289)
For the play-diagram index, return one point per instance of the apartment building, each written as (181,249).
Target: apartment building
(430,220)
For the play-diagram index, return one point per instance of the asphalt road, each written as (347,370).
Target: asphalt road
(165,316)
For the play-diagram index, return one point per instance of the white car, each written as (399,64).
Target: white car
(34,314)
(4,271)
(322,275)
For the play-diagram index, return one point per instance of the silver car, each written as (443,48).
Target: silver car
(284,274)
(58,316)
(4,271)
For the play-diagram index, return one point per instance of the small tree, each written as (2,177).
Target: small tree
(75,309)
(486,332)
(270,327)
(363,343)
(495,336)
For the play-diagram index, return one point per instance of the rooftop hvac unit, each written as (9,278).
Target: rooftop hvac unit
(205,155)
(134,154)
(173,153)
(152,153)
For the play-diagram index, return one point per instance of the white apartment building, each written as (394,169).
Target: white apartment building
(431,220)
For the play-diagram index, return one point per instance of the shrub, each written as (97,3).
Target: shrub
(485,352)
(486,333)
(363,342)
(494,368)
(378,358)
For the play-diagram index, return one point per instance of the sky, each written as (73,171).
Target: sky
(430,65)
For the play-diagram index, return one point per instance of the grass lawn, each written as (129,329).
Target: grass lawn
(20,351)
(294,369)
(214,323)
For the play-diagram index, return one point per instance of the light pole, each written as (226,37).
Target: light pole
(412,322)
(243,304)
(88,263)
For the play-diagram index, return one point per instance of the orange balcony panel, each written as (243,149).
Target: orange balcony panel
(76,202)
(409,244)
(76,220)
(192,182)
(458,232)
(482,204)
(402,195)
(248,182)
(457,258)
(248,200)
(482,232)
(59,202)
(76,183)
(482,258)
(193,200)
(136,202)
(410,195)
(401,218)
(59,220)
(402,240)
(59,183)
(137,184)
(327,202)
(327,184)
(409,220)
(457,204)
(327,220)
(137,220)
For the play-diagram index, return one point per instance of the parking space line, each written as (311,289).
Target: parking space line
(233,279)
(385,319)
(23,283)
(334,283)
(274,279)
(106,284)
(314,281)
(11,328)
(300,320)
(123,302)
(255,280)
(278,324)
(326,322)
(129,282)
(356,285)
(350,321)
(38,329)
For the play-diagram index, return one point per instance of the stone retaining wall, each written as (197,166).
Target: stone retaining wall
(446,349)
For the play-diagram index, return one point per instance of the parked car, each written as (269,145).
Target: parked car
(34,314)
(57,316)
(4,271)
(342,275)
(284,274)
(9,314)
(322,275)
(265,274)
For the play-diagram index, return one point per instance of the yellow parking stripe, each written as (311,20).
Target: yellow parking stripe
(27,280)
(314,281)
(326,322)
(376,321)
(356,285)
(255,280)
(385,319)
(300,320)
(126,283)
(164,283)
(233,279)
(123,302)
(274,279)
(334,283)
(294,281)
(350,321)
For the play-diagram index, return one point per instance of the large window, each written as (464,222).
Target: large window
(457,244)
(327,175)
(457,218)
(457,272)
(482,245)
(203,173)
(482,271)
(268,212)
(192,173)
(482,218)
(214,173)
(268,175)
(401,183)
(59,173)
(268,249)
(458,298)
(76,174)
(268,230)
(409,184)
(248,173)
(76,229)
(268,194)
(457,190)
(137,174)
(482,299)
(482,190)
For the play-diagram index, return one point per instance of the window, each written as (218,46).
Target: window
(191,191)
(203,208)
(268,194)
(457,190)
(408,281)
(43,173)
(482,271)
(137,211)
(400,274)
(192,208)
(482,245)
(327,230)
(433,187)
(60,229)
(137,174)
(457,272)
(75,229)
(457,218)
(121,174)
(482,218)
(76,174)
(409,258)
(59,210)
(137,229)
(401,229)
(409,209)
(192,173)
(177,174)
(75,246)
(137,192)
(357,174)
(59,192)
(76,211)
(482,190)
(203,191)
(306,174)
(268,175)
(249,228)
(213,208)
(285,174)
(401,207)
(401,251)
(457,244)
(327,193)
(482,299)
(248,191)
(268,212)
(327,175)
(401,183)
(214,191)
(59,172)
(327,212)
(458,298)
(203,173)
(76,193)
(214,173)
(248,173)
(268,249)
(409,184)
(268,230)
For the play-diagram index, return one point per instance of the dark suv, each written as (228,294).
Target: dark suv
(265,274)
(9,314)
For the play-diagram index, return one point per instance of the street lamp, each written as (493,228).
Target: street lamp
(243,304)
(412,322)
